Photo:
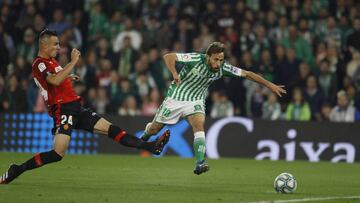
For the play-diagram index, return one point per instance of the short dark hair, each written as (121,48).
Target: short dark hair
(47,33)
(214,48)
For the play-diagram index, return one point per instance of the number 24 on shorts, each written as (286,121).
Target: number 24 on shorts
(66,119)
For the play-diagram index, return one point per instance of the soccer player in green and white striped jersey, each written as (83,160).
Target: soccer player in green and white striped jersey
(187,93)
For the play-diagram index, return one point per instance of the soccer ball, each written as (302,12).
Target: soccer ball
(285,183)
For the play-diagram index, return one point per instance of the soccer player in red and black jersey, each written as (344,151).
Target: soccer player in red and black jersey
(66,110)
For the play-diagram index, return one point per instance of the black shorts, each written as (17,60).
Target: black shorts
(70,116)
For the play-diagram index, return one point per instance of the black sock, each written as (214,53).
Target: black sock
(120,136)
(41,159)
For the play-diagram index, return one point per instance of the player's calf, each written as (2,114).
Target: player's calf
(37,161)
(120,136)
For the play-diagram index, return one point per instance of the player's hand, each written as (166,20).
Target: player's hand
(278,89)
(176,79)
(75,54)
(74,77)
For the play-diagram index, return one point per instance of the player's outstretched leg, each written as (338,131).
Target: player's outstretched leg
(151,129)
(37,161)
(155,147)
(199,149)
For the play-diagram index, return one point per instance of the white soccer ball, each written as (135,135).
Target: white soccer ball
(285,183)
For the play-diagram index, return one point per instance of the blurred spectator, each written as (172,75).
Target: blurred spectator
(327,81)
(281,31)
(206,37)
(90,100)
(325,112)
(8,19)
(353,67)
(151,33)
(314,96)
(158,70)
(298,109)
(5,39)
(151,103)
(321,52)
(22,69)
(304,30)
(27,16)
(271,109)
(97,22)
(351,93)
(126,90)
(114,92)
(103,76)
(126,58)
(183,34)
(261,42)
(142,79)
(266,66)
(2,90)
(332,34)
(28,48)
(129,107)
(101,101)
(114,26)
(14,99)
(58,23)
(287,71)
(210,15)
(342,112)
(352,41)
(131,34)
(257,99)
(247,37)
(222,107)
(302,47)
(103,50)
(304,73)
(39,23)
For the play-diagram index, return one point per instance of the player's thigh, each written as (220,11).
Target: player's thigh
(197,121)
(169,112)
(88,120)
(102,126)
(61,143)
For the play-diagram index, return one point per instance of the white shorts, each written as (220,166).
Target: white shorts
(170,111)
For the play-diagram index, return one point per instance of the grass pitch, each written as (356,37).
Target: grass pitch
(119,178)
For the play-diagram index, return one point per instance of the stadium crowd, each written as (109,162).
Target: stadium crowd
(310,46)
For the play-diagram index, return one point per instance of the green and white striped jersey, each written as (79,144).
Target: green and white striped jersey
(196,76)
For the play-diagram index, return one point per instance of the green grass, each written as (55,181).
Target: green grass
(115,178)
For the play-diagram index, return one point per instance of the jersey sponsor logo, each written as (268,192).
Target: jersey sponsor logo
(195,72)
(58,68)
(42,67)
(184,57)
(234,70)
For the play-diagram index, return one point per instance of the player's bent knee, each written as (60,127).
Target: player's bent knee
(65,129)
(102,126)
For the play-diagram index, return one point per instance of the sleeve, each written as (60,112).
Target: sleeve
(188,58)
(231,71)
(42,69)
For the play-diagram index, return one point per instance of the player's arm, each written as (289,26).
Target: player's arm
(277,89)
(170,60)
(58,78)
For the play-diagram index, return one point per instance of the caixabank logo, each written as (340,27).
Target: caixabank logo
(283,140)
